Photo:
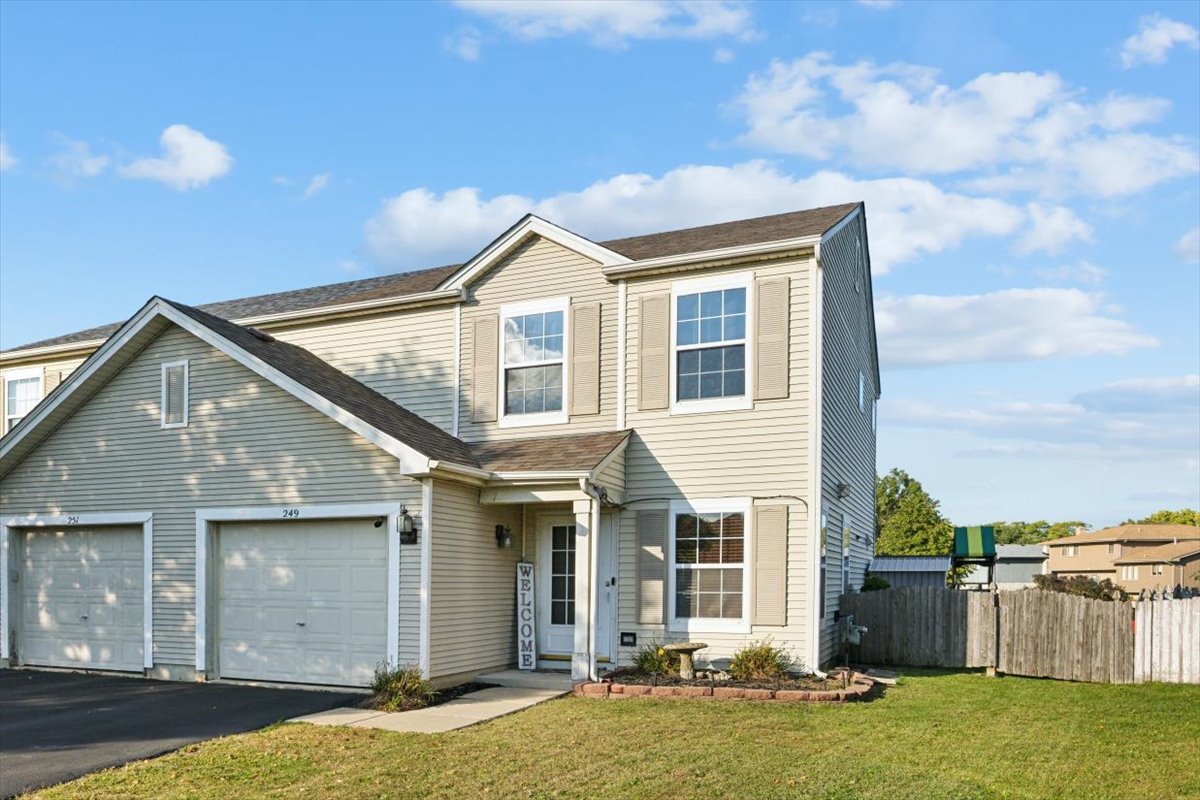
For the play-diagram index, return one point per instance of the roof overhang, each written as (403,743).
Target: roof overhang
(526,228)
(142,328)
(705,259)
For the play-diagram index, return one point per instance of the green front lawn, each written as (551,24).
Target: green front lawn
(948,736)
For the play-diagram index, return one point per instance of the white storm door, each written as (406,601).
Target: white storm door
(81,599)
(606,592)
(556,556)
(302,602)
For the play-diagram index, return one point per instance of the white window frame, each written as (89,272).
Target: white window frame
(22,375)
(727,505)
(737,280)
(1156,569)
(1070,550)
(560,417)
(162,403)
(862,392)
(1129,572)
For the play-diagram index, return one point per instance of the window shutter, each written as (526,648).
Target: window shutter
(485,364)
(585,359)
(651,566)
(53,377)
(771,339)
(174,393)
(654,343)
(770,566)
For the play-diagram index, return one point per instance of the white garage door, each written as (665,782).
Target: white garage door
(304,602)
(81,598)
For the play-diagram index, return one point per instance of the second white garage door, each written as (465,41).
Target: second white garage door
(302,602)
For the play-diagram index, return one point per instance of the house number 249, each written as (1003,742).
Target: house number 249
(291,513)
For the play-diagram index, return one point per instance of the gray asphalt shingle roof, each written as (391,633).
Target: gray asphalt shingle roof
(576,452)
(795,224)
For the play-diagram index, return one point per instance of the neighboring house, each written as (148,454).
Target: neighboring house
(1015,568)
(911,570)
(677,430)
(1135,557)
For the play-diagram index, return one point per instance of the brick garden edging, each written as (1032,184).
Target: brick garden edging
(860,687)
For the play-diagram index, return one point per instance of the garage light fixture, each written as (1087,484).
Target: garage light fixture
(407,527)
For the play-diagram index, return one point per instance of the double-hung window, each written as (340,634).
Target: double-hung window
(22,391)
(709,575)
(711,358)
(533,345)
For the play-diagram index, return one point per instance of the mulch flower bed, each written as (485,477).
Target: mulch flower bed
(798,688)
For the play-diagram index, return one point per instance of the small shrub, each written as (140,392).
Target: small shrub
(1080,585)
(760,661)
(653,660)
(400,689)
(874,583)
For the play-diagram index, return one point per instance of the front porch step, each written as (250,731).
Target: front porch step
(520,679)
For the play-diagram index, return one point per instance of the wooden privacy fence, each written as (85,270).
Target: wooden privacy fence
(1029,632)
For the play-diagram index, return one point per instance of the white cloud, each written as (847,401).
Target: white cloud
(1076,429)
(1144,395)
(1016,131)
(1007,325)
(723,55)
(281,180)
(1052,229)
(317,184)
(1080,272)
(877,4)
(349,266)
(1187,247)
(909,218)
(613,23)
(466,43)
(1155,37)
(189,160)
(75,160)
(7,159)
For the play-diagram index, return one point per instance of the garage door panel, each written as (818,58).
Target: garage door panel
(329,575)
(82,598)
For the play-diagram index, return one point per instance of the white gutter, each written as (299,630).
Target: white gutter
(740,251)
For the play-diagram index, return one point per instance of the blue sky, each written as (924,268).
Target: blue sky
(1033,198)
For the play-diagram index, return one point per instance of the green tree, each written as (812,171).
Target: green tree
(1184,516)
(907,519)
(1034,532)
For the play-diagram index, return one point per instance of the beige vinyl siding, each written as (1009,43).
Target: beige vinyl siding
(406,355)
(848,442)
(539,270)
(759,453)
(472,611)
(612,477)
(247,443)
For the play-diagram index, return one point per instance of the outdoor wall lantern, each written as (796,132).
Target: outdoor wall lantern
(407,526)
(503,536)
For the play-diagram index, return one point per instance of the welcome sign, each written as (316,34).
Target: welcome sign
(526,656)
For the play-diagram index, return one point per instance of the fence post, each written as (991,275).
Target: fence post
(993,668)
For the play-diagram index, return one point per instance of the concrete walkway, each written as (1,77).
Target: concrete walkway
(469,709)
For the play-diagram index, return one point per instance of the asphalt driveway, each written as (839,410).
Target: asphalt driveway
(57,726)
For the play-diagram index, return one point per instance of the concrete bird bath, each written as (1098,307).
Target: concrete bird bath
(687,669)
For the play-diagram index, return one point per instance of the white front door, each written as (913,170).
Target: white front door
(81,599)
(556,567)
(302,602)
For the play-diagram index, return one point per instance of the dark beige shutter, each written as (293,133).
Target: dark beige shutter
(654,344)
(770,566)
(485,364)
(52,380)
(585,359)
(771,339)
(651,566)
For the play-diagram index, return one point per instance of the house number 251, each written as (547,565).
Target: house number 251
(291,513)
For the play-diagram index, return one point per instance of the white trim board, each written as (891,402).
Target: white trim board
(83,520)
(411,460)
(208,518)
(426,540)
(527,227)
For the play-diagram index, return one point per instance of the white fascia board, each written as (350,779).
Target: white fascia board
(411,460)
(650,265)
(514,236)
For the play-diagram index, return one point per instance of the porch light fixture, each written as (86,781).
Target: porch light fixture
(407,527)
(503,537)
